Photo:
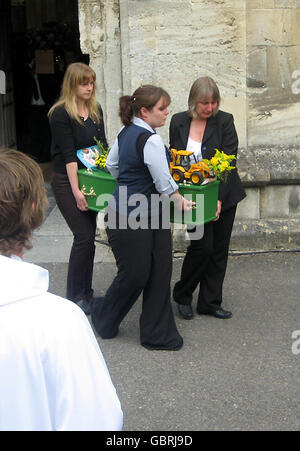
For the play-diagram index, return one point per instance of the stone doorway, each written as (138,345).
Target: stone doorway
(42,38)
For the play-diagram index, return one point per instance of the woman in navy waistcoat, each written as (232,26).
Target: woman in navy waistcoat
(140,242)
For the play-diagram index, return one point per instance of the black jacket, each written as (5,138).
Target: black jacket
(219,134)
(68,136)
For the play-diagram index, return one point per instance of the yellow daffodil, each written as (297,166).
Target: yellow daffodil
(219,164)
(214,161)
(225,164)
(100,160)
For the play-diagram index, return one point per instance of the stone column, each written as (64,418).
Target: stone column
(100,38)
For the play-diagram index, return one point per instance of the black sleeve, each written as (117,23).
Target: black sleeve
(229,138)
(101,130)
(179,122)
(62,135)
(173,132)
(229,145)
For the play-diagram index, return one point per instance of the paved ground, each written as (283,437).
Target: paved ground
(237,374)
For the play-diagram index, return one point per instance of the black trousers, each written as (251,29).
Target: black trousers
(83,227)
(144,261)
(205,262)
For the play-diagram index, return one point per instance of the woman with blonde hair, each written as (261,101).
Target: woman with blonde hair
(75,119)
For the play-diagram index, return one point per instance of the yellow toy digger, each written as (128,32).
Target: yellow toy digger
(181,168)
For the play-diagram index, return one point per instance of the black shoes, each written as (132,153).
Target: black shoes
(222,314)
(185,311)
(219,313)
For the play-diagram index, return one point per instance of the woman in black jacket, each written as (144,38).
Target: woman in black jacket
(202,129)
(75,119)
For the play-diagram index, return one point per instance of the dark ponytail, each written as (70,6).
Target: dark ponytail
(145,96)
(126,111)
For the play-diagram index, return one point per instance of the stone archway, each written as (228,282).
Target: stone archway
(100,34)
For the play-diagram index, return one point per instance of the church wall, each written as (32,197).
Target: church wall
(250,48)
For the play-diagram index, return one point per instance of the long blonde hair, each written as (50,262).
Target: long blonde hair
(77,74)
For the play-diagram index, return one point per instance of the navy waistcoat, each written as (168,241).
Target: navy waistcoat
(133,173)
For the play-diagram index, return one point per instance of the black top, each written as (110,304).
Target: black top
(219,134)
(68,136)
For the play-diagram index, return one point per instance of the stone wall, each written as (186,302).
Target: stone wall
(270,161)
(251,48)
(100,36)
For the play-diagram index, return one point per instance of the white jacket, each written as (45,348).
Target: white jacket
(52,373)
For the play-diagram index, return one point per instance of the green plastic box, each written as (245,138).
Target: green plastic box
(95,183)
(206,198)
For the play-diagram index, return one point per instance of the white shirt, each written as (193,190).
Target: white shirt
(196,147)
(52,373)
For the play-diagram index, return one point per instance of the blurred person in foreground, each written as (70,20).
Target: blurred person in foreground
(53,374)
